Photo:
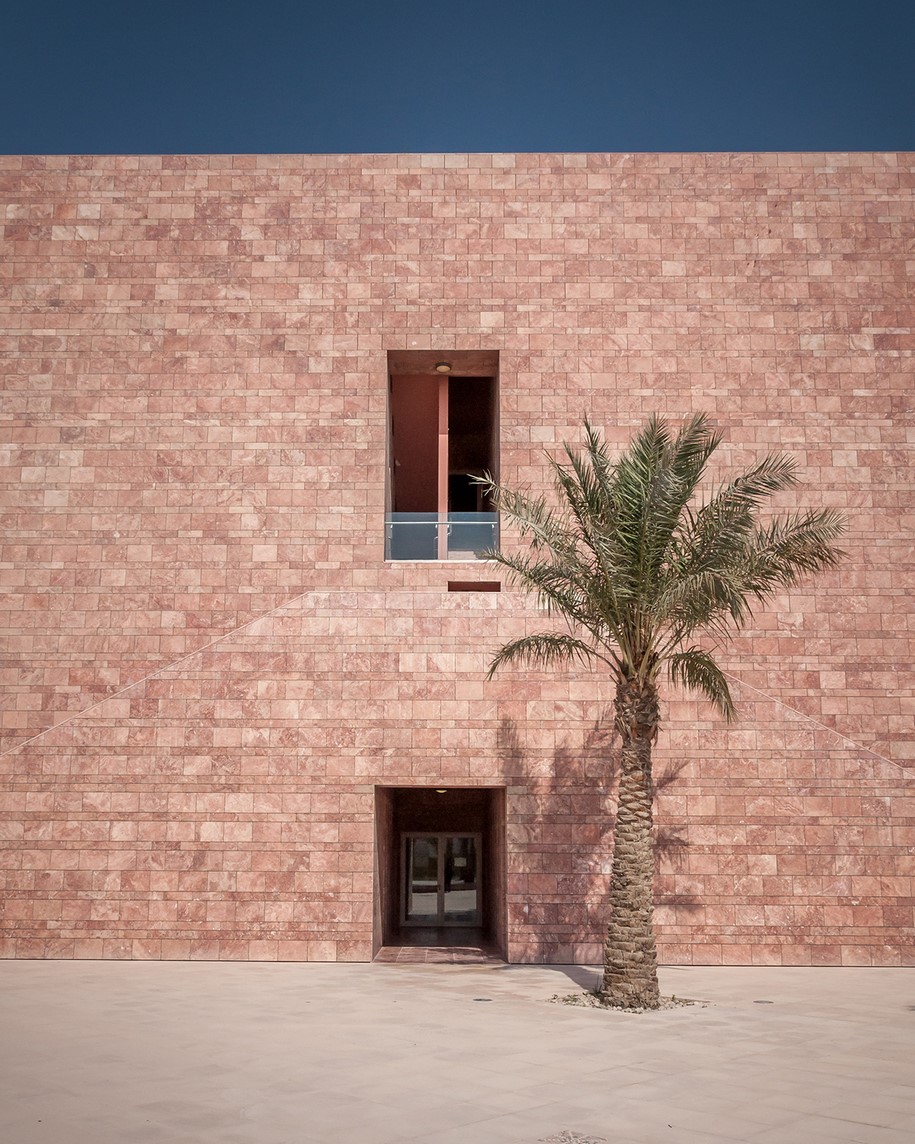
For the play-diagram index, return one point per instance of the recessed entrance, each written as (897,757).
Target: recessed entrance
(440,867)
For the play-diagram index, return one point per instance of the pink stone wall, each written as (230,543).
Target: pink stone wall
(209,667)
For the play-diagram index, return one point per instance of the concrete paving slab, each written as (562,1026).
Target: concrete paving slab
(229,1053)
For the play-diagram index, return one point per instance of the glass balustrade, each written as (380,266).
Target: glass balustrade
(439,536)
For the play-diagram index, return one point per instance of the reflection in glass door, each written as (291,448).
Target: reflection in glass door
(422,880)
(442,879)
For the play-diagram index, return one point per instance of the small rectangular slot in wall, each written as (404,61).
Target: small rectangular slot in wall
(474,586)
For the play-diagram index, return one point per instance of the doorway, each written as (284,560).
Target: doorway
(442,884)
(440,868)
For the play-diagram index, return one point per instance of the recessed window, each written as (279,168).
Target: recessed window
(443,435)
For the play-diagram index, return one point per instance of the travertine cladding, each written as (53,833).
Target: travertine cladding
(194,352)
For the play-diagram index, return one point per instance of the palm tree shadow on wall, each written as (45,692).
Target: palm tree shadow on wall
(594,766)
(670,846)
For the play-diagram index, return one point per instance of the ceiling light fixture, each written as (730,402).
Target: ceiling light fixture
(443,367)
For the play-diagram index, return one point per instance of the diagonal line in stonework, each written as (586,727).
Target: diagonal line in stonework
(155,673)
(816,722)
(301,596)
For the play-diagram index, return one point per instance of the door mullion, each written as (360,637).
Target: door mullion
(440,844)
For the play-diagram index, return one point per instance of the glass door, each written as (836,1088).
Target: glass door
(422,880)
(442,879)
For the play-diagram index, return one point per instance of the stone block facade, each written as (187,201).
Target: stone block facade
(212,674)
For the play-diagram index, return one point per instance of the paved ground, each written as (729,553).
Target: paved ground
(194,1053)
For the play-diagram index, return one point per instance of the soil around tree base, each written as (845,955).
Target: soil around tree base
(590,999)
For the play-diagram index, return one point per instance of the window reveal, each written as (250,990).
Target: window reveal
(442,436)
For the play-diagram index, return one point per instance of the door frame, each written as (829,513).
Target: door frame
(405,878)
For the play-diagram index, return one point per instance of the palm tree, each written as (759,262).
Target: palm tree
(639,573)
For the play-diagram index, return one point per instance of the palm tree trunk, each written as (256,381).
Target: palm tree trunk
(630,956)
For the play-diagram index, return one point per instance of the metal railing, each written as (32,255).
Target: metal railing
(439,536)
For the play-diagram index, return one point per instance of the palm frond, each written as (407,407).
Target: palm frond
(558,586)
(695,669)
(545,649)
(771,475)
(656,479)
(793,546)
(724,522)
(593,517)
(693,598)
(536,521)
(574,544)
(728,561)
(778,556)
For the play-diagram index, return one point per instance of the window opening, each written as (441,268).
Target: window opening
(443,435)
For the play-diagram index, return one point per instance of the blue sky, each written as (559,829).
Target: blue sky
(571,75)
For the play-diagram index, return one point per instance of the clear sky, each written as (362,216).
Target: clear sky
(469,75)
